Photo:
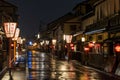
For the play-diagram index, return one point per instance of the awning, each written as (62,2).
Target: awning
(115,39)
(95,31)
(97,27)
(78,33)
(114,29)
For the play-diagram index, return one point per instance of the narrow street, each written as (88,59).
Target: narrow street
(41,66)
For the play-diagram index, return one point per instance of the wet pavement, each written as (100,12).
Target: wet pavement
(18,73)
(40,66)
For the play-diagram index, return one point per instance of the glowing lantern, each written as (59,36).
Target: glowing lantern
(17,32)
(91,44)
(83,39)
(54,41)
(86,49)
(68,38)
(65,46)
(117,48)
(72,46)
(9,28)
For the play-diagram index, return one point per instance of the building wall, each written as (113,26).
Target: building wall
(104,9)
(87,22)
(7,11)
(107,8)
(68,30)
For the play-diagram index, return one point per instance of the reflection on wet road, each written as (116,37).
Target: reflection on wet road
(40,66)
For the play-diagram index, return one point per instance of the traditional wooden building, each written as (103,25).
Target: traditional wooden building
(104,32)
(98,21)
(7,13)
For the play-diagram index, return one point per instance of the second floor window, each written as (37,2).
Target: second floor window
(99,37)
(73,27)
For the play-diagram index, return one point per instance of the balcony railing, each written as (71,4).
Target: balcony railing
(100,25)
(114,22)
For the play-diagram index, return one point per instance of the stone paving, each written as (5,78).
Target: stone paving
(18,74)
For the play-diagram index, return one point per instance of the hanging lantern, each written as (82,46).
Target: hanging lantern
(17,32)
(91,44)
(71,44)
(86,49)
(83,39)
(68,38)
(65,46)
(54,41)
(117,48)
(9,28)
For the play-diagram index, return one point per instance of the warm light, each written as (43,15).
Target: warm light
(34,44)
(72,48)
(63,37)
(12,45)
(17,32)
(68,38)
(47,42)
(9,28)
(91,44)
(23,39)
(19,40)
(42,42)
(71,44)
(117,48)
(86,48)
(38,36)
(65,46)
(83,39)
(54,41)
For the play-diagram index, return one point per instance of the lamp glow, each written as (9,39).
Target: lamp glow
(9,28)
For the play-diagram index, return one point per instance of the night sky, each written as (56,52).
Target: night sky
(35,12)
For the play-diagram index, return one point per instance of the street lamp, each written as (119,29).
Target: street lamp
(47,45)
(83,41)
(47,42)
(10,28)
(53,44)
(68,39)
(17,32)
(54,41)
(38,36)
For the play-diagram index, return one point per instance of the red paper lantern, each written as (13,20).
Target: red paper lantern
(117,48)
(86,49)
(91,44)
(71,44)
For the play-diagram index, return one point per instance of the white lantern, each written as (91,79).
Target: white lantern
(68,38)
(9,28)
(17,32)
(83,39)
(54,41)
(47,42)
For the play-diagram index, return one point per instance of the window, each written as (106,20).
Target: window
(80,28)
(99,37)
(73,27)
(90,38)
(98,49)
(117,5)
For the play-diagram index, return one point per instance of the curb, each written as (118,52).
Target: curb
(3,72)
(101,71)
